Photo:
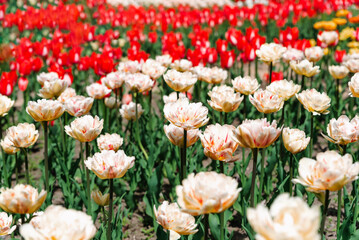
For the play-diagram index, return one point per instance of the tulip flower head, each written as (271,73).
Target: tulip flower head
(171,218)
(287,218)
(5,224)
(97,91)
(53,88)
(114,80)
(23,135)
(352,65)
(165,60)
(314,101)
(85,128)
(179,81)
(59,223)
(8,147)
(109,141)
(175,135)
(256,133)
(292,54)
(331,171)
(68,93)
(294,140)
(224,99)
(266,101)
(245,85)
(129,67)
(270,52)
(207,192)
(182,65)
(139,82)
(172,97)
(153,69)
(110,164)
(354,85)
(305,68)
(5,105)
(78,106)
(21,199)
(338,72)
(342,131)
(99,198)
(284,89)
(186,115)
(44,110)
(314,54)
(128,111)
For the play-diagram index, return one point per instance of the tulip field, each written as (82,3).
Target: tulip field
(167,119)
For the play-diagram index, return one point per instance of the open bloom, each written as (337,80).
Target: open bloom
(343,131)
(23,135)
(270,52)
(354,85)
(314,54)
(338,72)
(68,93)
(128,111)
(47,77)
(114,80)
(224,99)
(186,115)
(175,135)
(330,172)
(21,199)
(129,67)
(97,91)
(139,82)
(165,60)
(99,198)
(288,218)
(85,128)
(284,89)
(256,133)
(5,105)
(328,38)
(245,85)
(218,143)
(44,110)
(78,105)
(8,147)
(292,54)
(171,218)
(304,68)
(294,140)
(181,65)
(217,75)
(314,101)
(352,65)
(109,141)
(110,164)
(172,97)
(53,88)
(180,81)
(207,192)
(58,223)
(153,69)
(266,101)
(5,224)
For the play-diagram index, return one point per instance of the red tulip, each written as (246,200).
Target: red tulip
(221,45)
(212,55)
(338,55)
(227,59)
(23,82)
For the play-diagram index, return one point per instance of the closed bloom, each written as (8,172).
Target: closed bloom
(171,218)
(338,72)
(284,89)
(314,54)
(180,81)
(172,97)
(8,147)
(354,85)
(114,80)
(44,110)
(78,105)
(328,37)
(21,199)
(266,102)
(288,218)
(139,82)
(23,135)
(85,128)
(68,93)
(314,101)
(109,141)
(207,192)
(59,223)
(99,198)
(218,143)
(305,68)
(331,171)
(5,105)
(343,131)
(97,91)
(175,135)
(292,54)
(110,164)
(245,85)
(352,65)
(111,102)
(153,69)
(5,224)
(186,115)
(224,99)
(53,88)
(270,52)
(256,133)
(294,140)
(182,65)
(47,77)
(128,111)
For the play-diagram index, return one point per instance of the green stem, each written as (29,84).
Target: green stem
(16,169)
(26,166)
(261,179)
(244,108)
(88,181)
(6,180)
(254,173)
(270,72)
(221,215)
(339,210)
(337,96)
(291,168)
(104,215)
(206,227)
(324,213)
(110,210)
(311,134)
(150,102)
(183,156)
(303,82)
(138,130)
(249,69)
(45,127)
